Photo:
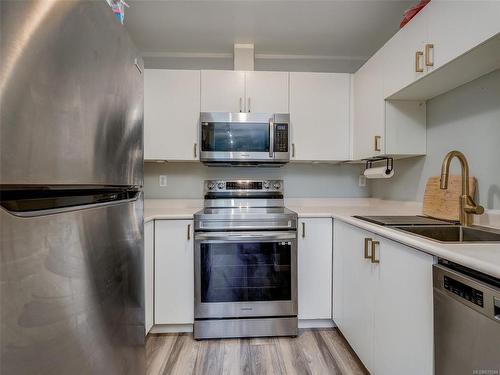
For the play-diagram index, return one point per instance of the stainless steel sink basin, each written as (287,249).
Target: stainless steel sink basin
(453,233)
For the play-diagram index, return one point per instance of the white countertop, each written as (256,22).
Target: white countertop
(484,257)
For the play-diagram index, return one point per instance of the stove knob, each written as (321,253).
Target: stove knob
(267,185)
(277,185)
(211,186)
(220,185)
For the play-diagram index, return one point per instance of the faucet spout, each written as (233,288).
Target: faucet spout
(468,206)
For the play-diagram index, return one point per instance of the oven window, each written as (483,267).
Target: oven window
(248,137)
(243,272)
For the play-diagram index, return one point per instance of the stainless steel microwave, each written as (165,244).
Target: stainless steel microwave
(244,138)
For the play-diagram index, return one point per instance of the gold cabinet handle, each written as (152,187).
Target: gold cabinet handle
(418,69)
(377,143)
(367,242)
(189,232)
(373,254)
(195,150)
(428,49)
(303,229)
(293,150)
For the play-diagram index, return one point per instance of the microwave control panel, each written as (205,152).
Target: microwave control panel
(281,138)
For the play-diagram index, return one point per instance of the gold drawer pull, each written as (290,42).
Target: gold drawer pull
(418,69)
(373,254)
(377,143)
(367,242)
(428,48)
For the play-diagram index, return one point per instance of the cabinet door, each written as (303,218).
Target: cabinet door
(369,109)
(148,274)
(266,92)
(315,268)
(455,27)
(400,54)
(403,318)
(222,91)
(174,272)
(356,304)
(319,115)
(171,114)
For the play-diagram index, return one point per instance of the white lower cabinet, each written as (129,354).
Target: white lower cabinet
(383,302)
(174,270)
(403,317)
(320,116)
(315,268)
(149,238)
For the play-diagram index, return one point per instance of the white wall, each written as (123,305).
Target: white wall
(466,119)
(185,180)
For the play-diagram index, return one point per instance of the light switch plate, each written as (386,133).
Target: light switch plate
(362,180)
(163,180)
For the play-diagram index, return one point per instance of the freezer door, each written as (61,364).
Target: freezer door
(71,96)
(71,291)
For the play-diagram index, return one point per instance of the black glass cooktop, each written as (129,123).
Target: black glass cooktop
(404,220)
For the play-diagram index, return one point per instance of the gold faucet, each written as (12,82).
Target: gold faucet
(467,204)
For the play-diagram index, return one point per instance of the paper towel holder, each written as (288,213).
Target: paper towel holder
(389,163)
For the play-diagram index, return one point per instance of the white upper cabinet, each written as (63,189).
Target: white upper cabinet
(455,27)
(237,91)
(171,114)
(368,128)
(315,268)
(320,116)
(381,127)
(266,92)
(403,55)
(442,35)
(222,91)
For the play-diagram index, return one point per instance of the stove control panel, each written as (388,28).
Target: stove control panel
(263,186)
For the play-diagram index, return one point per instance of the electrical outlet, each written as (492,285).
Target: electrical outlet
(362,180)
(163,180)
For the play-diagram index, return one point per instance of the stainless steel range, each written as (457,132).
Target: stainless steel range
(245,261)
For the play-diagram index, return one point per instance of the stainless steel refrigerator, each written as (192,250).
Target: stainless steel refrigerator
(71,174)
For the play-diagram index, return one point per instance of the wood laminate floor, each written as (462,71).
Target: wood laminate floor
(314,351)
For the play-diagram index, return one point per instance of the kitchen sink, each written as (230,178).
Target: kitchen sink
(453,233)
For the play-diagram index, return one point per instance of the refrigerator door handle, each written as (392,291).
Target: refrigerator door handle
(34,204)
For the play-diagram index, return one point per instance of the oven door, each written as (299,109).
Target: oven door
(245,274)
(236,137)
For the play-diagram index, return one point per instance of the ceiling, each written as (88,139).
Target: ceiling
(314,29)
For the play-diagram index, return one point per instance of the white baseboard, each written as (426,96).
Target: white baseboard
(171,328)
(316,323)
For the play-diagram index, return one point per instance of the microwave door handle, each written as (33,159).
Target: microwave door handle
(271,139)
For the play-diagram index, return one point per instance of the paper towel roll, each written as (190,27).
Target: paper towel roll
(379,172)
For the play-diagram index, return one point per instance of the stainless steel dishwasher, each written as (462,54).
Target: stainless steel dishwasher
(466,321)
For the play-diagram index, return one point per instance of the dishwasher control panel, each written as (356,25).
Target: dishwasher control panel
(465,291)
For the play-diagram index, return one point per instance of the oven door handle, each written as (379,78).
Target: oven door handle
(228,236)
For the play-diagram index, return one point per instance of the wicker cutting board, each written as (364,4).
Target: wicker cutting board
(445,204)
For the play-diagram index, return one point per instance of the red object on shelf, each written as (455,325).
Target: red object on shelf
(410,13)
